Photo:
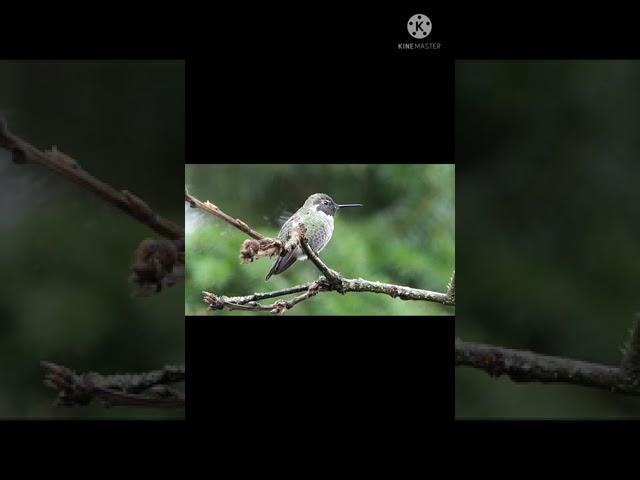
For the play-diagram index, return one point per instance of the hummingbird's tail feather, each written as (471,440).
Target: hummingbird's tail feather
(282,263)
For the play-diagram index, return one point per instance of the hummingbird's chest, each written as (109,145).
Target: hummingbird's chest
(319,227)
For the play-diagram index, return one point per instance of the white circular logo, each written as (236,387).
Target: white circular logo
(419,26)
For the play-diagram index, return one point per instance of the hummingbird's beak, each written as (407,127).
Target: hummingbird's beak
(350,205)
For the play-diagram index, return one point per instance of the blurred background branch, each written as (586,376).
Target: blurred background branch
(62,164)
(525,366)
(148,389)
(157,263)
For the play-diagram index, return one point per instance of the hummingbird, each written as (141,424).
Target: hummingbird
(317,216)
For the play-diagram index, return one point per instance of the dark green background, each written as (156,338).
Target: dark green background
(65,254)
(404,234)
(549,159)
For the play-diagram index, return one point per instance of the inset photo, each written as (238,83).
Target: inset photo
(320,239)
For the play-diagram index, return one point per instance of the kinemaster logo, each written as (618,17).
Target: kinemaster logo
(419,27)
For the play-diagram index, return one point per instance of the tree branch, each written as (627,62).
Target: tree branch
(216,212)
(631,350)
(251,250)
(395,291)
(216,302)
(526,366)
(332,276)
(147,389)
(64,165)
(249,302)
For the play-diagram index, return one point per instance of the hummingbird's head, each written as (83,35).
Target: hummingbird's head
(324,203)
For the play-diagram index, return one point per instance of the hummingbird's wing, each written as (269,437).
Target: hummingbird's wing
(282,263)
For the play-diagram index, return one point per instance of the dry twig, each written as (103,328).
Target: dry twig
(216,212)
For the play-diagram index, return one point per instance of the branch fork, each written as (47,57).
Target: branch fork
(333,278)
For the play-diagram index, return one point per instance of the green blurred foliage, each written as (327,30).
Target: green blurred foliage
(65,254)
(404,234)
(549,156)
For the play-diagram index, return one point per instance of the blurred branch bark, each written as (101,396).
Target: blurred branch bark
(330,281)
(64,165)
(526,366)
(148,389)
(157,263)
